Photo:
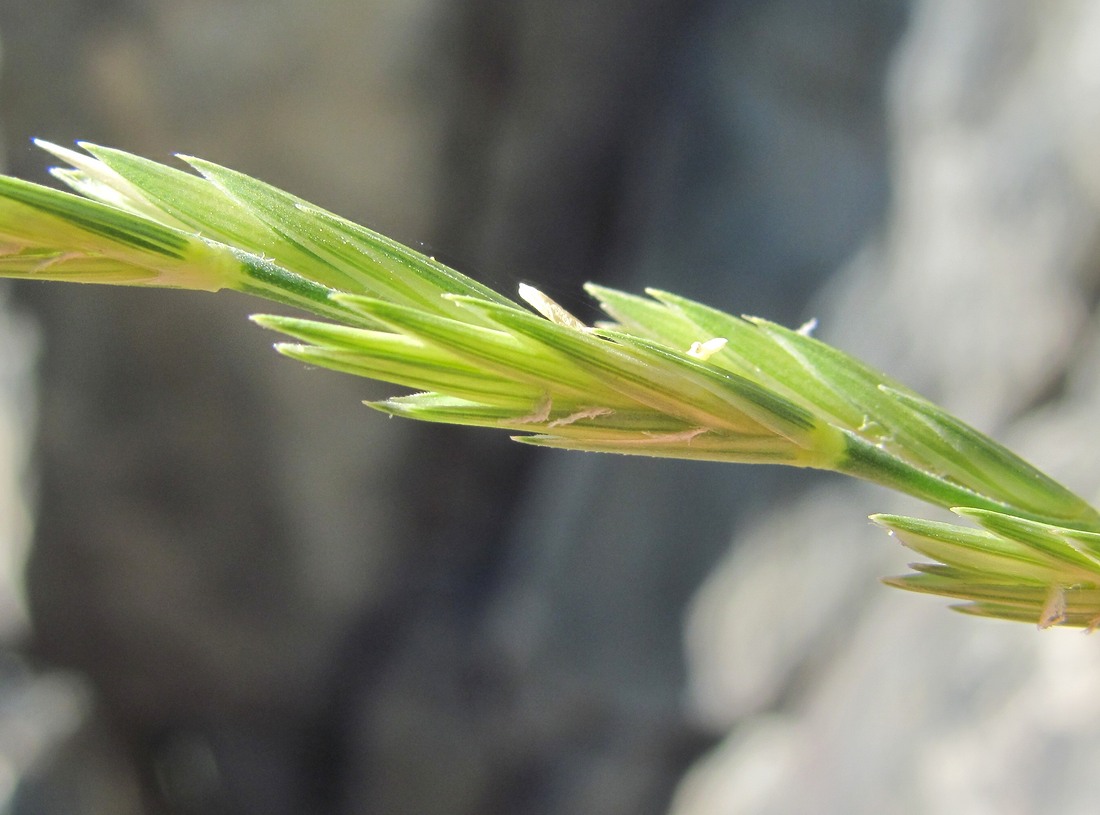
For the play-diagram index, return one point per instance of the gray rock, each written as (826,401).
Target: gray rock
(981,292)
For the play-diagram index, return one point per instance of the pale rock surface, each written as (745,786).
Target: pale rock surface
(848,698)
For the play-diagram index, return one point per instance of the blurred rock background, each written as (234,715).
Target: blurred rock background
(247,594)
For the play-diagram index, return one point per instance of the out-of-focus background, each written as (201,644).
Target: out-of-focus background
(227,587)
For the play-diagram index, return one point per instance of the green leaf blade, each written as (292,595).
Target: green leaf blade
(358,260)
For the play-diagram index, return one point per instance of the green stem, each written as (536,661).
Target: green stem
(262,278)
(864,460)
